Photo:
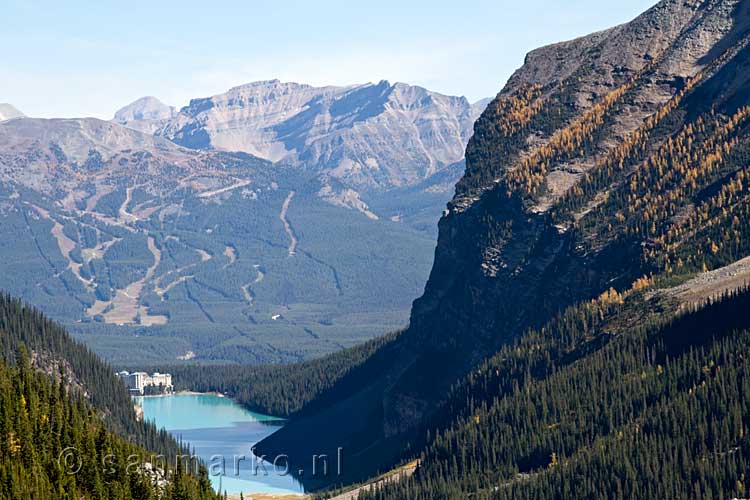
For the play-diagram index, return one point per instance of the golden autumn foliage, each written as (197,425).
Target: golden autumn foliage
(610,297)
(530,174)
(642,283)
(515,112)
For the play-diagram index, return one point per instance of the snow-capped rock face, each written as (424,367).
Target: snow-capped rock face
(369,136)
(147,114)
(8,111)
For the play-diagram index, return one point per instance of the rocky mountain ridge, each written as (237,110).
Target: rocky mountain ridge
(80,156)
(371,136)
(147,114)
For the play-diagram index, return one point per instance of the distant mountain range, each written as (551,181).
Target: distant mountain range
(372,136)
(152,250)
(583,333)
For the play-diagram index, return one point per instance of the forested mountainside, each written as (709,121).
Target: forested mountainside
(613,399)
(52,351)
(370,137)
(280,390)
(611,162)
(55,395)
(151,252)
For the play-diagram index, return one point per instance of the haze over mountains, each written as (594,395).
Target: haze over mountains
(153,244)
(147,114)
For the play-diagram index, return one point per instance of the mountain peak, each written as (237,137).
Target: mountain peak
(8,111)
(145,108)
(147,114)
(369,136)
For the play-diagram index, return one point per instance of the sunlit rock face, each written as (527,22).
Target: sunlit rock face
(147,114)
(370,136)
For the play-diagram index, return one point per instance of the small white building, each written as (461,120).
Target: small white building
(137,382)
(157,379)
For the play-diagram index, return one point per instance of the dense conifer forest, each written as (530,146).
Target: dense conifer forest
(279,390)
(571,342)
(621,175)
(55,446)
(68,426)
(53,350)
(613,399)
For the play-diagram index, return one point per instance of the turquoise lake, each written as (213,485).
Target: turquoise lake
(221,431)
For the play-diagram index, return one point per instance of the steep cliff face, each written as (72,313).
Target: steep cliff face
(539,140)
(598,163)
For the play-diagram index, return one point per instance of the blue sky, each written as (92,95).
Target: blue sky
(65,59)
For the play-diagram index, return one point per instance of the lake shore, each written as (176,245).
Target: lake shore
(215,424)
(268,496)
(183,393)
